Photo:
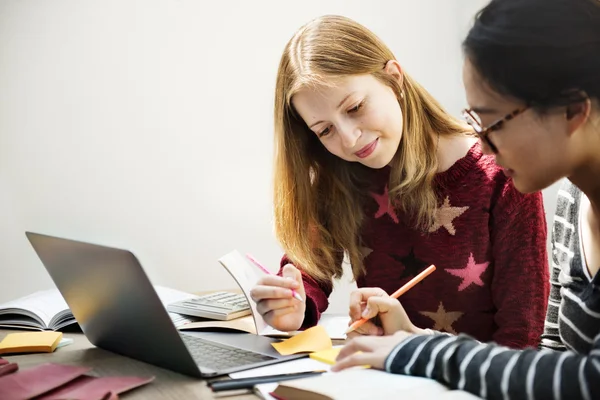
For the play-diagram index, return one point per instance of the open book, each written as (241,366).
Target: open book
(47,310)
(246,274)
(361,384)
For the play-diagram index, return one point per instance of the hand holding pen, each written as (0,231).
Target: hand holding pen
(280,299)
(266,271)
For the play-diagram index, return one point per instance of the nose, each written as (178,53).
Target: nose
(349,135)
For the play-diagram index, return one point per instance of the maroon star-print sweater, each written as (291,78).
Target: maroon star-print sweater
(488,243)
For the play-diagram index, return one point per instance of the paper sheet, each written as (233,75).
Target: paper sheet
(414,390)
(263,390)
(310,340)
(287,367)
(244,324)
(367,384)
(246,275)
(46,304)
(335,325)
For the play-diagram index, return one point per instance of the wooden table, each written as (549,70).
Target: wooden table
(166,385)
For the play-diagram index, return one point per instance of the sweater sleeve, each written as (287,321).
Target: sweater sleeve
(317,295)
(491,371)
(520,281)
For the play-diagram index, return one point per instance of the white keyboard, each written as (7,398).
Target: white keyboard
(222,306)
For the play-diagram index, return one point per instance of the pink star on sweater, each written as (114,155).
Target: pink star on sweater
(471,274)
(385,206)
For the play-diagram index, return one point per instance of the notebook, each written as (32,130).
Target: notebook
(247,275)
(365,384)
(47,310)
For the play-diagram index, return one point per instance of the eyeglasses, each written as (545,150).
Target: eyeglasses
(475,121)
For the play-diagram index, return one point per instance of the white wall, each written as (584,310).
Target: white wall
(147,125)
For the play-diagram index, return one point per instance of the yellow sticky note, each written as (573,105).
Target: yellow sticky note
(30,342)
(327,356)
(312,339)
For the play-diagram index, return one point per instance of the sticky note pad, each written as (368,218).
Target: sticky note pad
(310,340)
(327,356)
(30,342)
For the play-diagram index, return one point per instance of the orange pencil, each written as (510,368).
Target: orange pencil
(397,293)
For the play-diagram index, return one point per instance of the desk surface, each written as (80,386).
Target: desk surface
(166,385)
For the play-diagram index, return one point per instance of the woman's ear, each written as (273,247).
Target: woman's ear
(578,114)
(393,68)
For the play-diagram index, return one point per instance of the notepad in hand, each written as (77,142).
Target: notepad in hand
(30,342)
(246,274)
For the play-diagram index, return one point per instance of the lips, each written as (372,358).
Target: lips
(367,150)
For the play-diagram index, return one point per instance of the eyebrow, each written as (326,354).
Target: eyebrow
(337,108)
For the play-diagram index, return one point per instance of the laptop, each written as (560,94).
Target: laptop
(118,310)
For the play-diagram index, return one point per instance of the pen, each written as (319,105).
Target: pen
(397,293)
(259,265)
(246,383)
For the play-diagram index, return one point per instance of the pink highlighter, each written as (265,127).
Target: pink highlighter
(259,265)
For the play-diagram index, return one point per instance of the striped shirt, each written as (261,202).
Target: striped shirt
(572,324)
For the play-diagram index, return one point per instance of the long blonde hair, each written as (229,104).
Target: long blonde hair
(318,197)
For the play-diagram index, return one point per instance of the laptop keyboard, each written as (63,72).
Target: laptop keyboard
(218,356)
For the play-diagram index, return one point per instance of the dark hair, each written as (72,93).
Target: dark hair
(543,52)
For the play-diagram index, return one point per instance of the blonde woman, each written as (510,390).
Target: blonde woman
(368,165)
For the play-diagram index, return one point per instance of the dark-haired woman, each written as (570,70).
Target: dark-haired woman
(532,78)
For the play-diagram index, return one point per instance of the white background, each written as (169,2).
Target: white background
(147,125)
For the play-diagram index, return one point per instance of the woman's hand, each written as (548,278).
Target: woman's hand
(368,350)
(275,301)
(375,302)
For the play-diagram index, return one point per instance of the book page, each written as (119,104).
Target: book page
(247,275)
(367,384)
(264,390)
(335,325)
(45,304)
